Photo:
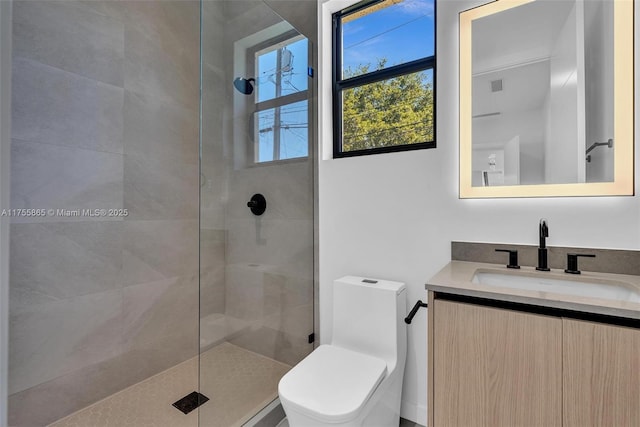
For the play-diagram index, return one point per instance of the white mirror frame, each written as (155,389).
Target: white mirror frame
(623,183)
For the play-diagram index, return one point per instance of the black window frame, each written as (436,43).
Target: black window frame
(339,84)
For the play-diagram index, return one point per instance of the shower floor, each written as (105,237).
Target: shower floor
(238,382)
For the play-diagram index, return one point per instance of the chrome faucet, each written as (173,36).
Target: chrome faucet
(542,249)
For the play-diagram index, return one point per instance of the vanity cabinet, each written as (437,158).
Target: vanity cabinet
(601,374)
(501,367)
(495,367)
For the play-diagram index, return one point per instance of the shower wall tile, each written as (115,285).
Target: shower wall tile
(214,43)
(149,358)
(47,176)
(173,25)
(160,189)
(57,107)
(53,339)
(274,344)
(47,402)
(150,70)
(286,186)
(215,159)
(157,310)
(154,129)
(58,261)
(301,13)
(245,290)
(286,244)
(245,17)
(158,250)
(58,34)
(212,271)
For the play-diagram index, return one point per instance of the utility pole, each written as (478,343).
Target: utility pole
(276,115)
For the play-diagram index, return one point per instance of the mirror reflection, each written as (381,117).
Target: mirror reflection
(543,94)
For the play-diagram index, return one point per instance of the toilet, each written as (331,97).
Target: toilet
(356,380)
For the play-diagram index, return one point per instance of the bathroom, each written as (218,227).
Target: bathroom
(389,216)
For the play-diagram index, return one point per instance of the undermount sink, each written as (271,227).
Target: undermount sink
(604,289)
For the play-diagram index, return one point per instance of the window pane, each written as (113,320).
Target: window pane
(385,34)
(391,112)
(289,77)
(283,132)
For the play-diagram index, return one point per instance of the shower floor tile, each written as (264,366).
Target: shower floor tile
(238,383)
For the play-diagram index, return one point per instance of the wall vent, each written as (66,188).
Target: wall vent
(496,85)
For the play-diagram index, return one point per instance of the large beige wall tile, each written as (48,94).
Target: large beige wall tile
(57,107)
(286,186)
(58,261)
(152,71)
(49,401)
(77,40)
(212,271)
(45,176)
(160,189)
(156,310)
(287,244)
(53,339)
(158,250)
(156,129)
(274,344)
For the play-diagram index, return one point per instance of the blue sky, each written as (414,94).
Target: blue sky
(400,33)
(293,80)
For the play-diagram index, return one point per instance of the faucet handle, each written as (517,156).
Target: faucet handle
(544,228)
(513,257)
(572,262)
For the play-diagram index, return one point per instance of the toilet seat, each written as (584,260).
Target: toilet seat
(342,382)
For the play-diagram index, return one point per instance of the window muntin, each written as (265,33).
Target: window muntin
(281,101)
(387,115)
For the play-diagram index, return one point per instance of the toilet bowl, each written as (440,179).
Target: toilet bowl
(356,379)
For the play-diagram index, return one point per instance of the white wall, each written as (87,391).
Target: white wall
(5,115)
(393,216)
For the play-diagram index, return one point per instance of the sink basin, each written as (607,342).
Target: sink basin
(605,289)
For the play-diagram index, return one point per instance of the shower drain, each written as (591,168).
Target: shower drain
(190,402)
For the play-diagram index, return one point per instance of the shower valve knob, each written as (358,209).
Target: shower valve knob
(257,204)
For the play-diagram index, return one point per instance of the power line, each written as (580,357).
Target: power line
(384,32)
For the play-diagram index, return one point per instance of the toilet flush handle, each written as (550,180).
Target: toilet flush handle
(414,310)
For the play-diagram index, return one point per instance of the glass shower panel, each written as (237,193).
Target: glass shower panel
(256,271)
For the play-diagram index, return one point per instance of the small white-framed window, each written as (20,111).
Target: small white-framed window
(281,111)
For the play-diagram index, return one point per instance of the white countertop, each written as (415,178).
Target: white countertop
(456,278)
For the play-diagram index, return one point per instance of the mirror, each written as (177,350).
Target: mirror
(546,98)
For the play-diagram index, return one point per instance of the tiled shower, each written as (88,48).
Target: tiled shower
(128,107)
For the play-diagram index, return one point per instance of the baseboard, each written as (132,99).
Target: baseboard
(413,412)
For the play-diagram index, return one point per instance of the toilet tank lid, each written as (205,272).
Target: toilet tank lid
(332,384)
(370,282)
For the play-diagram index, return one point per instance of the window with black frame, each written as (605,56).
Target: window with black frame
(384,77)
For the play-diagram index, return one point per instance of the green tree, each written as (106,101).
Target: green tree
(396,111)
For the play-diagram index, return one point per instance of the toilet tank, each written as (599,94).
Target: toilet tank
(368,317)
